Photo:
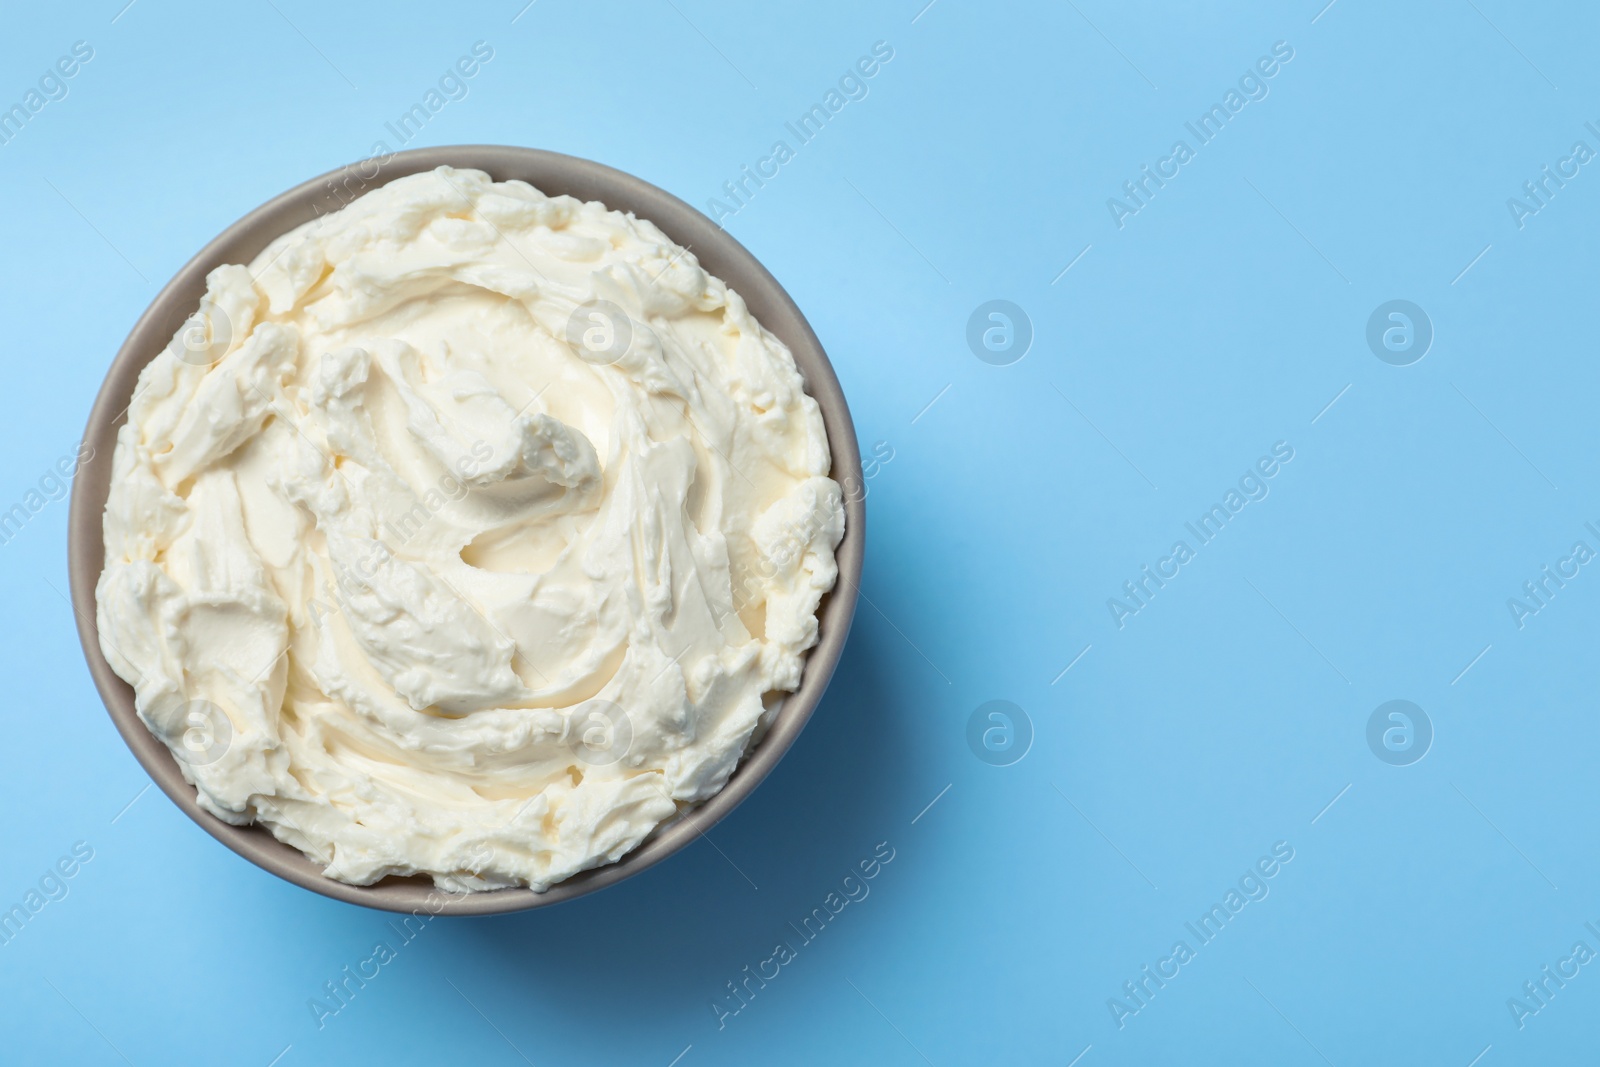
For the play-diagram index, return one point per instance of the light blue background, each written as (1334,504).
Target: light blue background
(1224,717)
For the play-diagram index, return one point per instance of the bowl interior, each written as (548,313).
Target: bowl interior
(554,174)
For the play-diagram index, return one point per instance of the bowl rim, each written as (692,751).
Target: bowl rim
(554,174)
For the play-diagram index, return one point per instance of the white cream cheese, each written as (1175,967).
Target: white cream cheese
(469,532)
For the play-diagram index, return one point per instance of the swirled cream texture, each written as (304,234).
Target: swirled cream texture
(468,532)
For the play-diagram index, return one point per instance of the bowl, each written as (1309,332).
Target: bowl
(553,174)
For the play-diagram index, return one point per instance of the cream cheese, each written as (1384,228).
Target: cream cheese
(469,532)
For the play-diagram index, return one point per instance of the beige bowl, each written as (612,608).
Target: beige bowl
(555,175)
